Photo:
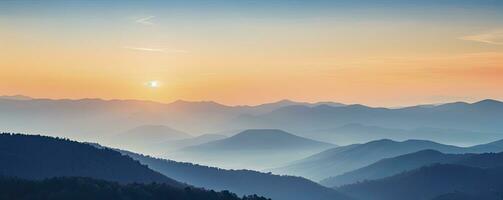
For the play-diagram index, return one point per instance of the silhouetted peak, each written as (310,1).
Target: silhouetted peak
(16,97)
(261,132)
(381,142)
(357,106)
(427,152)
(488,102)
(285,101)
(458,104)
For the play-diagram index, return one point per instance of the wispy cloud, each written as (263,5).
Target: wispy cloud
(145,20)
(494,37)
(156,49)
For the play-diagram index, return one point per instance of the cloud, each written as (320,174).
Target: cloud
(145,20)
(494,37)
(156,49)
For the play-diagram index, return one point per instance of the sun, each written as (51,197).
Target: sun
(153,84)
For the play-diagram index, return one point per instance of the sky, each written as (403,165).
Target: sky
(378,53)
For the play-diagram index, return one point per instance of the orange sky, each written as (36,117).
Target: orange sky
(249,60)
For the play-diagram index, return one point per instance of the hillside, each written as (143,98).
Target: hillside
(79,188)
(429,182)
(391,166)
(241,182)
(339,160)
(39,157)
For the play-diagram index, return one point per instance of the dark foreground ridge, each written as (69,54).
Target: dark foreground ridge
(79,188)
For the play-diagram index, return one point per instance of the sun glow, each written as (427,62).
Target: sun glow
(153,84)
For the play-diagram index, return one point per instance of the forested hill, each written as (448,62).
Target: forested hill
(78,188)
(241,182)
(39,157)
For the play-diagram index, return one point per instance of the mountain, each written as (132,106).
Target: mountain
(164,149)
(81,188)
(491,195)
(15,97)
(482,116)
(496,146)
(142,138)
(391,166)
(339,160)
(99,118)
(269,107)
(253,149)
(360,133)
(429,182)
(39,157)
(240,181)
(396,165)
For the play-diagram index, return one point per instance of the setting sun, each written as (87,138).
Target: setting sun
(153,84)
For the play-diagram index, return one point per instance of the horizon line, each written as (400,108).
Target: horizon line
(244,105)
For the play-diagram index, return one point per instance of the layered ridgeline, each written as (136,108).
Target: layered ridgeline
(339,160)
(144,138)
(99,118)
(98,173)
(439,181)
(252,149)
(80,188)
(164,149)
(327,123)
(391,166)
(469,123)
(40,157)
(240,181)
(396,165)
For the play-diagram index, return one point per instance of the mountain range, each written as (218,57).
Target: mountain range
(143,138)
(438,181)
(339,160)
(252,149)
(96,119)
(239,181)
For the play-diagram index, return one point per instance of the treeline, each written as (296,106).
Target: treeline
(81,188)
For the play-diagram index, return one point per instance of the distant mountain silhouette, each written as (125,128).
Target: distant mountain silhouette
(16,97)
(241,182)
(360,133)
(269,107)
(98,118)
(163,149)
(339,160)
(142,138)
(429,182)
(481,117)
(39,157)
(253,149)
(80,188)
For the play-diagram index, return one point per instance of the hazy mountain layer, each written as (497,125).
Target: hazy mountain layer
(143,138)
(484,117)
(252,149)
(339,160)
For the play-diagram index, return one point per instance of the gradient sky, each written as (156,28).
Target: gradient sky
(380,53)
